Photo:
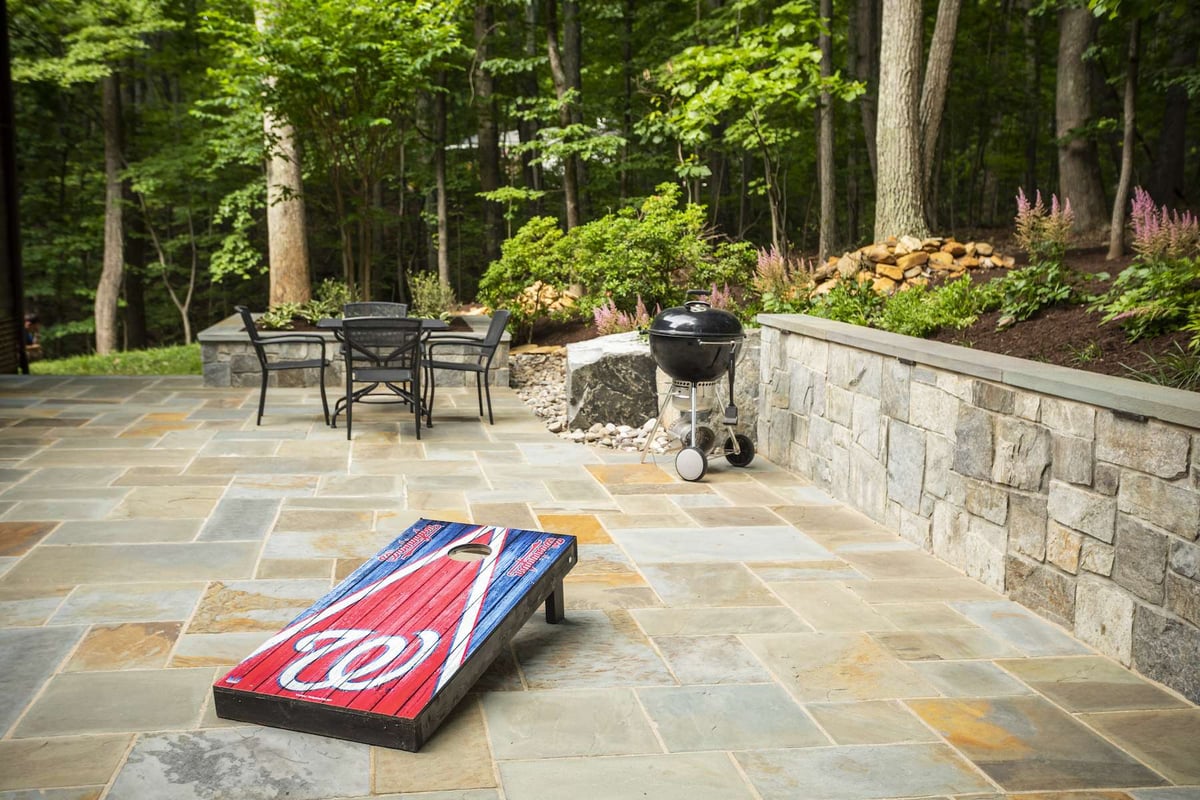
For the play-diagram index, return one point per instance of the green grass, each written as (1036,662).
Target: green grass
(178,360)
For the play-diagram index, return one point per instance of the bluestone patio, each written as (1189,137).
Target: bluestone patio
(740,637)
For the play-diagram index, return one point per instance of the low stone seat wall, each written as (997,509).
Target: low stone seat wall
(1076,494)
(228,358)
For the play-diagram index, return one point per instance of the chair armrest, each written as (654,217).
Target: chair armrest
(457,341)
(295,338)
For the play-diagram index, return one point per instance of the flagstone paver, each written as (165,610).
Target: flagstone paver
(745,636)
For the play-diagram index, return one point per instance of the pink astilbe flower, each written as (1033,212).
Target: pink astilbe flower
(1159,234)
(1042,233)
(610,319)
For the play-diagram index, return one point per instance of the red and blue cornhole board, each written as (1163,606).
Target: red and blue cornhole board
(386,655)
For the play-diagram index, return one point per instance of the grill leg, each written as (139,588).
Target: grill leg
(657,423)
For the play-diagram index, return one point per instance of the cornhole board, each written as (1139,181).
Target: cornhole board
(386,655)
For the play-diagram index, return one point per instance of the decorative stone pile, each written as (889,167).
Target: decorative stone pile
(539,375)
(897,264)
(541,296)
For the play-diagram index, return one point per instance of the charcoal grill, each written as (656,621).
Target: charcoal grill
(696,345)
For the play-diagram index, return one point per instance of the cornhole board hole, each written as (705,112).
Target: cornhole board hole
(386,655)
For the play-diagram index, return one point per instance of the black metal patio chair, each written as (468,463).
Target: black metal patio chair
(381,352)
(262,343)
(478,362)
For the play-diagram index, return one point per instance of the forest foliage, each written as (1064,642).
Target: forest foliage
(689,130)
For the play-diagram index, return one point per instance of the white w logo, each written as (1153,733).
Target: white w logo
(341,674)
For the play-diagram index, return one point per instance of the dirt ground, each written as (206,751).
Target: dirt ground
(1069,336)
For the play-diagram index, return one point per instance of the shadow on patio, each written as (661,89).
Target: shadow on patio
(741,637)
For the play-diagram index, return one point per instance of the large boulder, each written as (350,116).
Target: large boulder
(610,379)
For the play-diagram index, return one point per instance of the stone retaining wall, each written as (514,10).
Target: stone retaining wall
(1076,494)
(229,360)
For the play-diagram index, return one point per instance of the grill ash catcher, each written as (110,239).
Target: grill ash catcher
(696,345)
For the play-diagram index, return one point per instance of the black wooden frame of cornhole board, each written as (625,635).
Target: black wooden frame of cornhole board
(395,732)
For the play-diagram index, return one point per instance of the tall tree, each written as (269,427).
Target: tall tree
(287,233)
(488,131)
(1116,236)
(439,171)
(933,89)
(567,97)
(108,290)
(825,171)
(1078,160)
(899,199)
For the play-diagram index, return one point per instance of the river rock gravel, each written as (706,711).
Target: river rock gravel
(539,376)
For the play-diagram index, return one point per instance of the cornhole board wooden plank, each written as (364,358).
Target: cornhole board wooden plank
(386,655)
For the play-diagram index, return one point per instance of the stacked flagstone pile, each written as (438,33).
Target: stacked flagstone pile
(896,264)
(541,296)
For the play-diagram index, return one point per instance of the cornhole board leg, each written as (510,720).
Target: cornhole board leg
(439,624)
(555,610)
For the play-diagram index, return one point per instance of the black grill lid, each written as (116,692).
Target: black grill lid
(695,319)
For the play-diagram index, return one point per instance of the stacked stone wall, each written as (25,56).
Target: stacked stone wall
(1087,513)
(228,359)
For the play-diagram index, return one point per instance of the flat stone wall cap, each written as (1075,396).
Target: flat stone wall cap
(1120,394)
(592,350)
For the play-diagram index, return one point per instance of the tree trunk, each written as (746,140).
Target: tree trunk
(489,134)
(937,78)
(287,245)
(558,72)
(439,170)
(899,200)
(866,33)
(1116,235)
(109,289)
(826,176)
(1078,163)
(572,60)
(627,18)
(527,91)
(1032,115)
(1168,185)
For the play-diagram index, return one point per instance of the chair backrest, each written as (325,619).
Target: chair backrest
(252,332)
(375,309)
(496,328)
(391,342)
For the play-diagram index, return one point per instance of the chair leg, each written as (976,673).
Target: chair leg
(324,401)
(417,403)
(488,389)
(349,399)
(432,392)
(479,393)
(262,396)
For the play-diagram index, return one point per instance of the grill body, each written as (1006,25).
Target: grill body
(696,343)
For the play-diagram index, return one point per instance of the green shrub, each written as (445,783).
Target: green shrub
(655,251)
(1179,369)
(178,360)
(529,256)
(849,301)
(280,317)
(920,311)
(326,303)
(430,297)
